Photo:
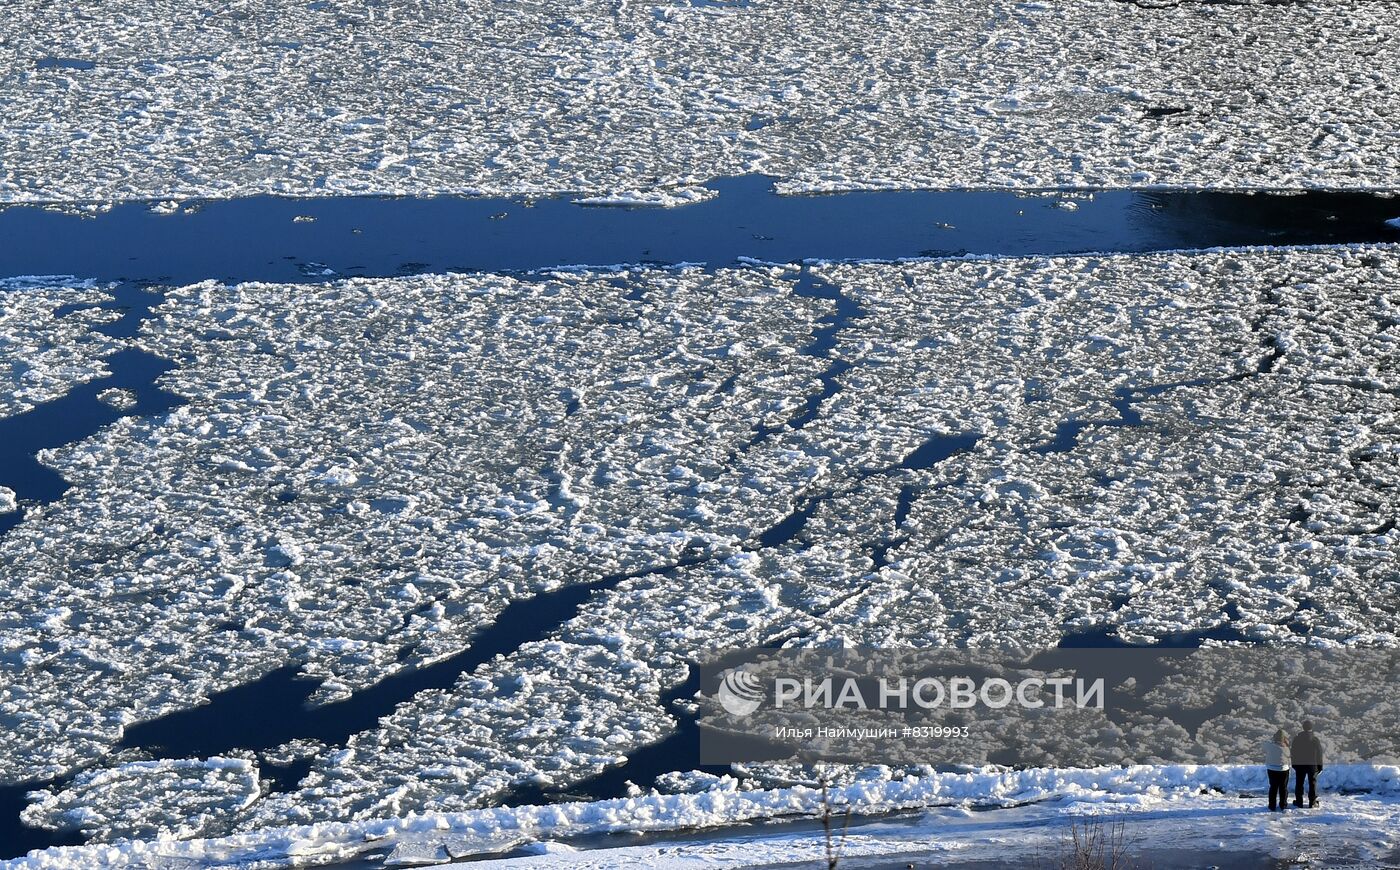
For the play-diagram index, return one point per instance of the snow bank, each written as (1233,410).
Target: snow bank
(1350,831)
(440,837)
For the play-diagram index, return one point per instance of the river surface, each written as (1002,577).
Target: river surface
(141,248)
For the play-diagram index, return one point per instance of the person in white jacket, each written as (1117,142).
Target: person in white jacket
(1276,760)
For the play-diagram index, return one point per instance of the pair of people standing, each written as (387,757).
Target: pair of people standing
(1304,755)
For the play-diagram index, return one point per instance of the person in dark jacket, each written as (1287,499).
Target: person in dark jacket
(1307,762)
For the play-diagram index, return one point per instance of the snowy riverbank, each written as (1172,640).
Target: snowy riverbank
(1181,795)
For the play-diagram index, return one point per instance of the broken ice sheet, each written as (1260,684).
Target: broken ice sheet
(370,471)
(1233,459)
(471,440)
(1196,522)
(604,99)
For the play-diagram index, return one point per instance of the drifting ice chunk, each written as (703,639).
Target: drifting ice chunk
(118,398)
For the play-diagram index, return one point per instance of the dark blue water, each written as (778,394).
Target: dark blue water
(822,346)
(258,238)
(935,450)
(1106,637)
(69,63)
(261,238)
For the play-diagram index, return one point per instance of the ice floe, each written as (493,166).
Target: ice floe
(659,197)
(1163,446)
(118,398)
(137,799)
(372,470)
(48,342)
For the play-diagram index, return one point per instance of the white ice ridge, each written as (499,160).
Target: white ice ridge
(368,472)
(170,99)
(440,837)
(47,340)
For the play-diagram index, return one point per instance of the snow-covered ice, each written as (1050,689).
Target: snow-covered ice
(1206,830)
(1260,478)
(136,798)
(369,471)
(169,101)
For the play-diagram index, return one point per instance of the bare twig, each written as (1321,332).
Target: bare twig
(1093,845)
(835,843)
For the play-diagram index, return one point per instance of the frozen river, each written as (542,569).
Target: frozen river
(375,469)
(282,523)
